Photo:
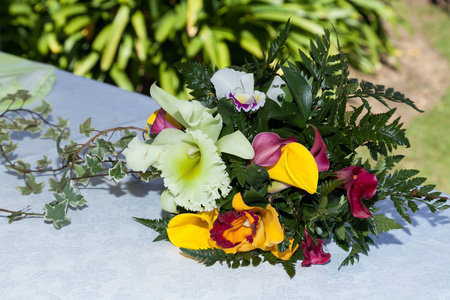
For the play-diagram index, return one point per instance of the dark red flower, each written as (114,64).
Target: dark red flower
(319,151)
(313,253)
(359,184)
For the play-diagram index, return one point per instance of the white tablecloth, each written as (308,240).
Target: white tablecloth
(104,254)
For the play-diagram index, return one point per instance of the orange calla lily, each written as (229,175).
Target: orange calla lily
(296,167)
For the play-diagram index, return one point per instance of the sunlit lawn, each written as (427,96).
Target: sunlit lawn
(429,133)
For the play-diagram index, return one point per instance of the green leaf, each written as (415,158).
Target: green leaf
(94,164)
(31,186)
(13,217)
(56,213)
(116,173)
(300,90)
(158,225)
(70,196)
(102,147)
(86,127)
(44,109)
(43,163)
(125,139)
(385,224)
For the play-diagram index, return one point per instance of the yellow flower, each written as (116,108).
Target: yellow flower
(244,229)
(296,167)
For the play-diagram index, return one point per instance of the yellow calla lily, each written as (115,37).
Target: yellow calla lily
(296,167)
(191,231)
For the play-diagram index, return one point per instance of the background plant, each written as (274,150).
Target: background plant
(133,42)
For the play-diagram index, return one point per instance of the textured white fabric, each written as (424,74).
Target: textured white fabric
(104,254)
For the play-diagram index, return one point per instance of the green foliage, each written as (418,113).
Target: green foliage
(158,225)
(78,162)
(132,43)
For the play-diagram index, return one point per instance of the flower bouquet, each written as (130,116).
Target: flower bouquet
(262,165)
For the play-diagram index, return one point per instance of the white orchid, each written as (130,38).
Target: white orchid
(189,160)
(238,86)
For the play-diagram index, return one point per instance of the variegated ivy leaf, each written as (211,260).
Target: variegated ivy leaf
(43,163)
(116,173)
(82,171)
(86,128)
(62,123)
(102,148)
(4,136)
(56,213)
(45,109)
(31,186)
(50,133)
(70,196)
(125,139)
(55,185)
(94,164)
(10,147)
(19,167)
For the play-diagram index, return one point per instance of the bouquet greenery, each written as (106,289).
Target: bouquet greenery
(261,166)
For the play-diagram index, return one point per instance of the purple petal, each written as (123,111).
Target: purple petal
(319,151)
(161,123)
(267,146)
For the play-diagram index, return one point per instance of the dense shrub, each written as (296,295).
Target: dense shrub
(134,42)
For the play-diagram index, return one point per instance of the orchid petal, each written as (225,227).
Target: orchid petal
(226,80)
(296,167)
(267,146)
(194,172)
(190,114)
(168,203)
(319,151)
(272,233)
(247,83)
(191,230)
(140,156)
(236,144)
(167,102)
(199,117)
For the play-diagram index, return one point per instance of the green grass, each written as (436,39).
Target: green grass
(429,133)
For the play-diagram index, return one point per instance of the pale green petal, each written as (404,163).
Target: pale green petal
(140,156)
(237,144)
(167,102)
(169,136)
(190,114)
(199,117)
(168,202)
(194,172)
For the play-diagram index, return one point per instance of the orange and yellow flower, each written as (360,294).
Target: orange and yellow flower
(244,229)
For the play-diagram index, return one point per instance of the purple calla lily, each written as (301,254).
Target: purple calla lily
(267,146)
(313,253)
(161,122)
(319,151)
(359,184)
